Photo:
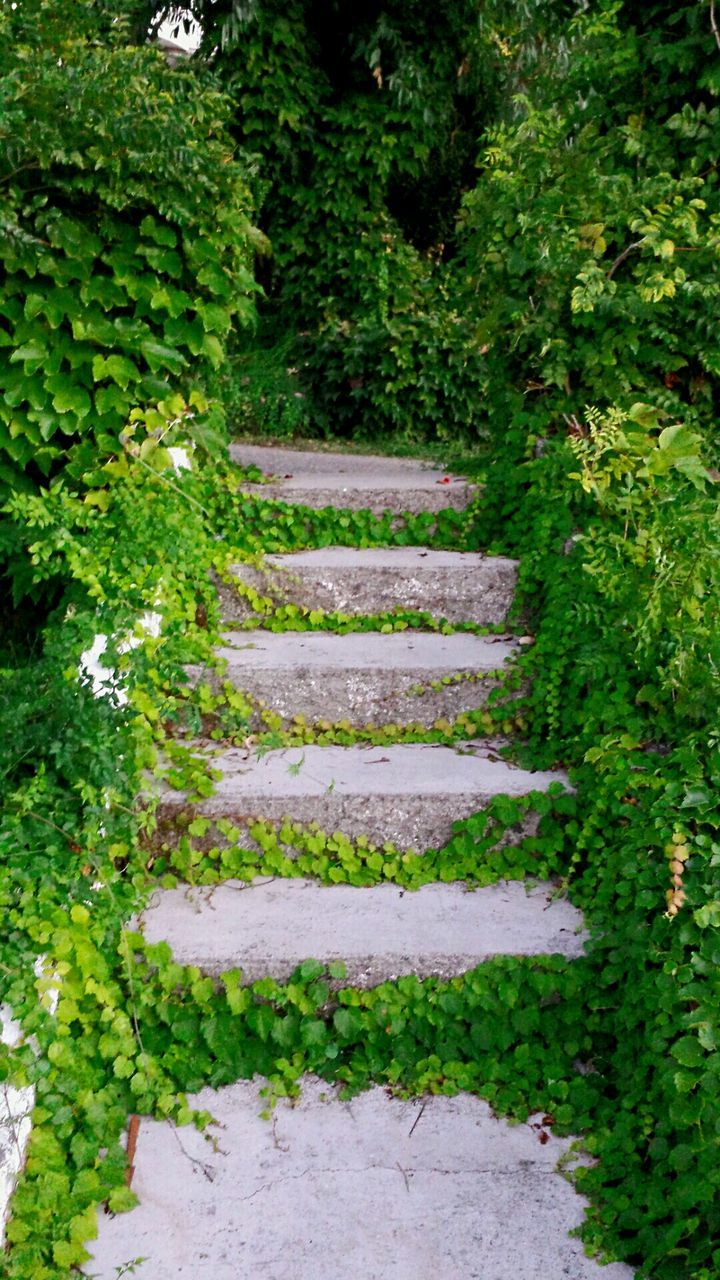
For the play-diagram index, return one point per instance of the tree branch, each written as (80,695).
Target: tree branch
(637,244)
(713,23)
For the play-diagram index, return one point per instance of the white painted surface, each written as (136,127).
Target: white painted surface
(15,1108)
(372,1189)
(365,651)
(270,925)
(180,458)
(104,679)
(174,31)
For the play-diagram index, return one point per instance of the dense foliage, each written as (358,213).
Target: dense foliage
(124,241)
(523,211)
(413,293)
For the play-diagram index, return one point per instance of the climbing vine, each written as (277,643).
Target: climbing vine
(617,1047)
(579,262)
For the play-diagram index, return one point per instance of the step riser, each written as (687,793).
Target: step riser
(363,699)
(408,824)
(365,678)
(475,590)
(409,501)
(268,927)
(407,795)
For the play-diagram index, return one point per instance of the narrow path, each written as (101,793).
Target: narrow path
(379,1187)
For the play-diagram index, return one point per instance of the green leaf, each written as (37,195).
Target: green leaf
(122,1199)
(32,354)
(119,368)
(70,398)
(160,356)
(112,400)
(646,415)
(69,1253)
(213,349)
(696,797)
(688,1053)
(215,319)
(313,1032)
(160,232)
(347,1022)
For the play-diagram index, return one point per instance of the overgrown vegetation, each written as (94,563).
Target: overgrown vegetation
(410,294)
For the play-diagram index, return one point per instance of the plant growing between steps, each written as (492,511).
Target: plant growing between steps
(198,850)
(555,290)
(123,1043)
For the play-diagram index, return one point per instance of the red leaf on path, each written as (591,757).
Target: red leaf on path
(543,1137)
(445,480)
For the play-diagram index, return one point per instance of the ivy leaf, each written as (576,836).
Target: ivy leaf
(71,398)
(313,1032)
(32,354)
(112,400)
(347,1022)
(122,1199)
(160,232)
(160,356)
(688,1053)
(119,368)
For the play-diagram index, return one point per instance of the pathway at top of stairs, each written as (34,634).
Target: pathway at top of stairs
(378,1188)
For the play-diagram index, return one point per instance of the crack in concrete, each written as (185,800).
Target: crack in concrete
(405,1173)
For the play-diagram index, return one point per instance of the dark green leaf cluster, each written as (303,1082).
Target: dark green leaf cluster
(124,241)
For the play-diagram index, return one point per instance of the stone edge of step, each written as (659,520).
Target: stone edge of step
(269,915)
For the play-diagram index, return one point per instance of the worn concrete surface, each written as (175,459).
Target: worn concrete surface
(354,481)
(459,586)
(409,794)
(16,1104)
(372,1189)
(366,677)
(269,926)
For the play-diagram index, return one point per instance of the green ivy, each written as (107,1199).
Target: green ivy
(126,249)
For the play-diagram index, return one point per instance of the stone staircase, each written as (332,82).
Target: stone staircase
(375,1188)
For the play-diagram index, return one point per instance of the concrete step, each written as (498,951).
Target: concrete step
(269,926)
(365,677)
(459,586)
(409,795)
(380,1188)
(352,481)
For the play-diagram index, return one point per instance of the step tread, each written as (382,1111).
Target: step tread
(397,559)
(319,479)
(412,769)
(269,926)
(379,1187)
(367,651)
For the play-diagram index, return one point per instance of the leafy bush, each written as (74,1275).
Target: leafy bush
(366,128)
(125,243)
(589,245)
(563,285)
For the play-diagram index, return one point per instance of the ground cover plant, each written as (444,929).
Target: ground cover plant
(578,267)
